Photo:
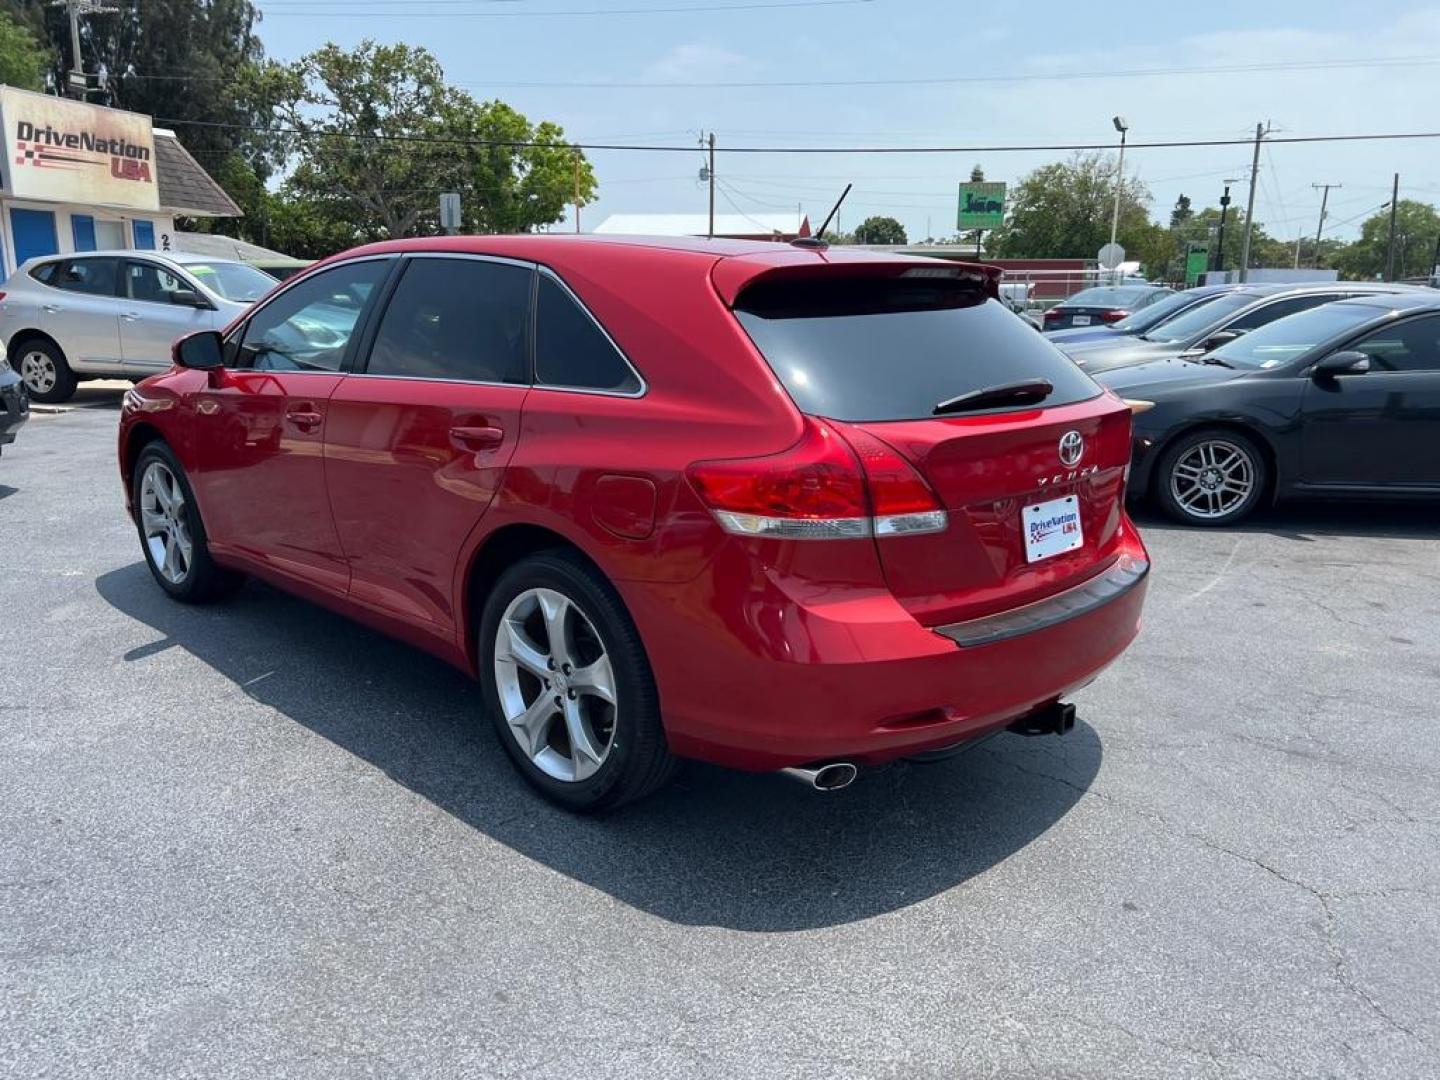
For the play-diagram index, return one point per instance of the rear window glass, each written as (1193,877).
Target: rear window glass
(1158,312)
(1111,296)
(889,348)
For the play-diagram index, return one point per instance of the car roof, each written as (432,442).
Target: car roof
(1418,299)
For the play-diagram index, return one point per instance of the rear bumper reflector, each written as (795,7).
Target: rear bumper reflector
(1097,592)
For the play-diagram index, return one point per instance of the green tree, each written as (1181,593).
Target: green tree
(880,230)
(1063,210)
(380,135)
(1181,213)
(23,59)
(1417,225)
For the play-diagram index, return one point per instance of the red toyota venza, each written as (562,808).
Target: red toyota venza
(772,506)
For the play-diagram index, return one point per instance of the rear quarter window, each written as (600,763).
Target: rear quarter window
(45,272)
(892,348)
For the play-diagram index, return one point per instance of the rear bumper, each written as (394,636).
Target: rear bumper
(783,680)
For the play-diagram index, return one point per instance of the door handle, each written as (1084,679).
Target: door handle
(129,316)
(477,438)
(51,309)
(304,419)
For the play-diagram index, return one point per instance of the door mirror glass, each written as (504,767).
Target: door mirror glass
(201,351)
(1348,362)
(1221,337)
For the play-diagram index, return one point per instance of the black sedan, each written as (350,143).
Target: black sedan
(1340,400)
(1103,304)
(1208,327)
(14,403)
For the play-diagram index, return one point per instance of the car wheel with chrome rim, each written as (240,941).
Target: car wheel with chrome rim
(1211,477)
(172,534)
(568,685)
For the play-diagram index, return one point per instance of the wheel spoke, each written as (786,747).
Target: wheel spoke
(513,646)
(1187,471)
(151,520)
(595,680)
(583,752)
(1189,498)
(555,609)
(532,727)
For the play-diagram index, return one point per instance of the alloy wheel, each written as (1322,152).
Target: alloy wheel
(1213,479)
(556,685)
(162,521)
(37,369)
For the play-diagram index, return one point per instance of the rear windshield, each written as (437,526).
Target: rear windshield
(1109,296)
(889,348)
(1189,323)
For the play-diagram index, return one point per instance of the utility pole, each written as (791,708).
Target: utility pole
(1260,130)
(1324,198)
(710,142)
(1123,128)
(78,84)
(1390,247)
(1220,237)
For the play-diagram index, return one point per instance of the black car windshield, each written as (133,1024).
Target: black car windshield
(1109,296)
(894,348)
(1187,324)
(1284,339)
(232,280)
(1159,311)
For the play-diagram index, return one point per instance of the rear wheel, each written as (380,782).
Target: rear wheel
(171,532)
(1211,477)
(568,685)
(43,368)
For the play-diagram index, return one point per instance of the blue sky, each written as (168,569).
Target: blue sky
(491,46)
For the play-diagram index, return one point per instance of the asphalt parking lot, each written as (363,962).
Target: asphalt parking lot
(256,840)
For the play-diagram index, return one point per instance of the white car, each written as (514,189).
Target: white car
(114,314)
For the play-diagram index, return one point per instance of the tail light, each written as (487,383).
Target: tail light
(1112,316)
(1052,313)
(820,490)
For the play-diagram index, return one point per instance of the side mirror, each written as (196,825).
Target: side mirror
(1220,337)
(200,351)
(190,298)
(1348,362)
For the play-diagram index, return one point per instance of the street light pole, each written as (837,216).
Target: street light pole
(1220,238)
(1122,127)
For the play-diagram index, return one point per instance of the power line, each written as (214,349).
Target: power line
(317,7)
(671,149)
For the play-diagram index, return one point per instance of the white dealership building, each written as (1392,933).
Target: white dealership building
(81,177)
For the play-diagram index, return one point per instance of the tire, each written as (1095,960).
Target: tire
(164,527)
(44,370)
(1189,468)
(535,709)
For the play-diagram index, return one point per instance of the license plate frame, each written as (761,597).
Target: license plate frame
(1051,528)
(1080,320)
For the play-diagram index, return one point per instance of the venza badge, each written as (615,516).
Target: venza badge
(1072,448)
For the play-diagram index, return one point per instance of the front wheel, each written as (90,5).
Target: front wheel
(1211,477)
(171,532)
(568,686)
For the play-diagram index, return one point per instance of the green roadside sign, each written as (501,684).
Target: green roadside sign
(982,206)
(1197,261)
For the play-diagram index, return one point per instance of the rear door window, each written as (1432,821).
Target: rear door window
(1268,313)
(93,277)
(874,348)
(465,319)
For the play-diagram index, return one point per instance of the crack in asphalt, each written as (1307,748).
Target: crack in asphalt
(1339,966)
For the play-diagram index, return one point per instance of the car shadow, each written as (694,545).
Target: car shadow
(6,491)
(716,848)
(1305,522)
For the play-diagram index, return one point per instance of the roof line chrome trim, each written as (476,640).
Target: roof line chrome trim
(1114,583)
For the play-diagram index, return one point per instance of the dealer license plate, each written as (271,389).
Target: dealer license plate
(1051,528)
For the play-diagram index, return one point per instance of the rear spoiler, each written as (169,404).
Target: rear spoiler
(733,276)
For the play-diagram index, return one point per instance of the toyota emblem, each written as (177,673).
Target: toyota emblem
(1072,448)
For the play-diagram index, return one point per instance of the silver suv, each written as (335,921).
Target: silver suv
(114,314)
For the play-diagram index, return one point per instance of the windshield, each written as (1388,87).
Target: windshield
(1158,312)
(1284,339)
(888,348)
(1187,324)
(1108,296)
(232,280)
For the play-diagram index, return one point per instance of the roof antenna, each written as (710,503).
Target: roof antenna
(820,232)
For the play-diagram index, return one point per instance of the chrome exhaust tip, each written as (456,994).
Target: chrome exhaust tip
(832,776)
